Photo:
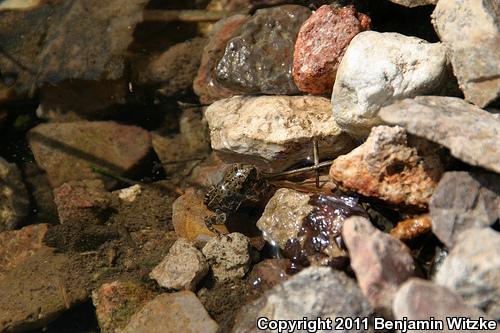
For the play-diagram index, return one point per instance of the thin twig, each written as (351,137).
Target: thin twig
(316,160)
(300,170)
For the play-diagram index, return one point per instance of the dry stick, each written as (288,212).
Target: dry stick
(301,170)
(186,15)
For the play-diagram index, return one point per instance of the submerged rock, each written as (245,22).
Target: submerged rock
(380,68)
(470,133)
(259,59)
(274,132)
(321,44)
(390,167)
(14,201)
(470,30)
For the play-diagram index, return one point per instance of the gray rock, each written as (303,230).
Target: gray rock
(414,3)
(274,132)
(172,313)
(14,201)
(471,134)
(314,292)
(381,262)
(229,256)
(470,30)
(419,299)
(464,200)
(182,268)
(472,269)
(259,59)
(380,68)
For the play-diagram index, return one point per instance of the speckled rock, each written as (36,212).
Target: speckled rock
(464,200)
(116,302)
(380,68)
(274,132)
(259,59)
(470,133)
(420,299)
(390,167)
(321,44)
(14,201)
(472,269)
(470,30)
(172,313)
(205,85)
(229,256)
(68,151)
(414,3)
(381,263)
(182,268)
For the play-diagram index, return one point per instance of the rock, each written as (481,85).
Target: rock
(82,201)
(464,200)
(116,302)
(321,44)
(390,167)
(470,30)
(131,193)
(174,70)
(471,134)
(188,217)
(63,148)
(259,59)
(274,132)
(182,268)
(267,274)
(400,67)
(229,256)
(205,85)
(472,269)
(172,313)
(412,228)
(381,263)
(14,201)
(209,172)
(415,3)
(312,293)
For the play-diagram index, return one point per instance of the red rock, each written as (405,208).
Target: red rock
(321,44)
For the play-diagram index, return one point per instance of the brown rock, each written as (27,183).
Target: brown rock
(14,200)
(388,167)
(381,263)
(321,44)
(266,274)
(116,302)
(69,151)
(412,228)
(172,313)
(205,85)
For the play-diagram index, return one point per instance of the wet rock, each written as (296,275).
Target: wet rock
(419,299)
(209,172)
(390,167)
(412,228)
(381,263)
(82,201)
(229,256)
(188,217)
(173,71)
(172,313)
(14,201)
(205,85)
(274,132)
(414,3)
(116,302)
(303,295)
(400,67)
(69,151)
(464,200)
(472,269)
(321,44)
(470,30)
(267,274)
(259,59)
(471,134)
(182,268)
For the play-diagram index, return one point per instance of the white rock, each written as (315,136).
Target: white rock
(274,131)
(182,268)
(380,68)
(129,194)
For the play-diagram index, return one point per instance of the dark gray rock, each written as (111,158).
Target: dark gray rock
(464,200)
(14,201)
(259,59)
